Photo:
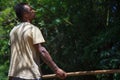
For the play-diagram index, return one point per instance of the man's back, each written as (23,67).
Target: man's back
(24,59)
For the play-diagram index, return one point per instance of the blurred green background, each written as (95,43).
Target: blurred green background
(80,35)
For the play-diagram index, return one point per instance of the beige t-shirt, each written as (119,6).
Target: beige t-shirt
(25,61)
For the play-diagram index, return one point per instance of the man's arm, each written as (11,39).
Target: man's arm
(48,60)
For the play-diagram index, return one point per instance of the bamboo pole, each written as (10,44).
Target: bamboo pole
(84,73)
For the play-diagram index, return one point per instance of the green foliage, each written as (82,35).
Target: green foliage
(79,34)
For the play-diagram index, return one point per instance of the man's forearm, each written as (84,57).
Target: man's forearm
(47,59)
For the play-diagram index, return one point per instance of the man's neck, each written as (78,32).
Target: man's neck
(24,20)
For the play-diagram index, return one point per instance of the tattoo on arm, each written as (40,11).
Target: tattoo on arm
(47,59)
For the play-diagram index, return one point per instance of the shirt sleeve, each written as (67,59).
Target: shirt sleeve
(37,36)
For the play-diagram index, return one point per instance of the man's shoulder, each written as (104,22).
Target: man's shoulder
(14,28)
(34,27)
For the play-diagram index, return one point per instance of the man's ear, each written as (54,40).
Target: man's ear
(25,15)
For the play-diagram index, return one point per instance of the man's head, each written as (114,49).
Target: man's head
(24,12)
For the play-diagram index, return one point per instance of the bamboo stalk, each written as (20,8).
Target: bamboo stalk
(84,73)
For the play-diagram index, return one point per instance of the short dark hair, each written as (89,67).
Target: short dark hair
(19,9)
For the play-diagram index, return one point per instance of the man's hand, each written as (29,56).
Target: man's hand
(60,73)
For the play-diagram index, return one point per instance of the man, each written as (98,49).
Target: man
(26,48)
